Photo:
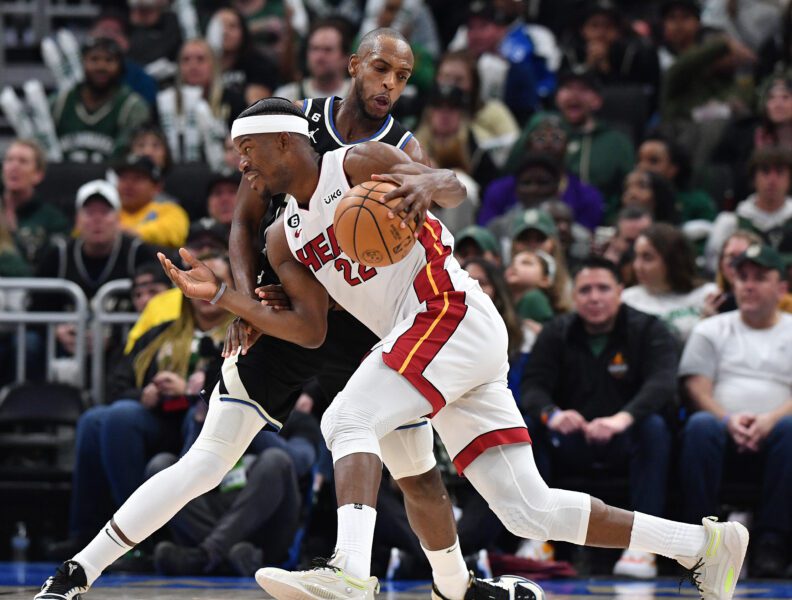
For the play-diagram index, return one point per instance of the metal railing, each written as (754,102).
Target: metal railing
(21,320)
(102,318)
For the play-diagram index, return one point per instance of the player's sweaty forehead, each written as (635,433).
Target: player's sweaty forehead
(396,53)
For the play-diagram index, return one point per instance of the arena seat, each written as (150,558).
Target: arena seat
(626,108)
(188,183)
(62,180)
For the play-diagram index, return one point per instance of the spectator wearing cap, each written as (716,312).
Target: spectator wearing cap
(222,197)
(30,220)
(475,241)
(596,153)
(207,237)
(148,281)
(156,223)
(767,212)
(668,283)
(446,135)
(680,23)
(737,372)
(604,45)
(154,37)
(94,119)
(113,24)
(544,134)
(326,59)
(594,392)
(98,252)
(516,61)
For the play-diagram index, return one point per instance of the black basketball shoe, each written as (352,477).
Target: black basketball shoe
(68,583)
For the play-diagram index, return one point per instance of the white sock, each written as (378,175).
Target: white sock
(103,550)
(666,538)
(355,538)
(449,572)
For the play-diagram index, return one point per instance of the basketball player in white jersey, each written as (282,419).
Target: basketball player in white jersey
(443,353)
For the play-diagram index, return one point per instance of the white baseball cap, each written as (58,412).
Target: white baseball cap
(98,187)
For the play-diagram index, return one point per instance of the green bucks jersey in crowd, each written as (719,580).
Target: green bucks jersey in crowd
(98,136)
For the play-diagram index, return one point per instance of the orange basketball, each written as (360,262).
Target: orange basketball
(364,231)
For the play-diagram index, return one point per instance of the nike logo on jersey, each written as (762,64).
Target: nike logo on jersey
(297,233)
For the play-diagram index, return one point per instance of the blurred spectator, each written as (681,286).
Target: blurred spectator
(99,252)
(575,239)
(737,372)
(113,24)
(156,223)
(776,113)
(246,72)
(701,85)
(723,300)
(530,277)
(605,46)
(477,242)
(11,265)
(537,179)
(350,11)
(273,27)
(492,122)
(668,285)
(155,36)
(596,153)
(207,237)
(93,119)
(515,61)
(28,218)
(414,20)
(326,58)
(149,140)
(545,134)
(618,247)
(768,212)
(148,281)
(199,67)
(251,518)
(222,197)
(446,135)
(652,192)
(680,29)
(660,155)
(595,388)
(151,389)
(775,55)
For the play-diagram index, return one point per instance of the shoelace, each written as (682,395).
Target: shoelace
(693,577)
(484,590)
(323,563)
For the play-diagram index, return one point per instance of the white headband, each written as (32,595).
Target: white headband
(269,124)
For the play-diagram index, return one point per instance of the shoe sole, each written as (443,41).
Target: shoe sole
(280,590)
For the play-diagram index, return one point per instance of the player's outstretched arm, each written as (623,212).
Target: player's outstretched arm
(418,185)
(305,324)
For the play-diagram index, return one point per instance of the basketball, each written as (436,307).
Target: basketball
(364,231)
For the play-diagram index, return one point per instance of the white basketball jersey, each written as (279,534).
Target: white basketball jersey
(378,297)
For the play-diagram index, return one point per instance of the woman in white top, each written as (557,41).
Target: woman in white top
(668,285)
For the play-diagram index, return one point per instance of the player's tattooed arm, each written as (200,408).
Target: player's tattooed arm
(416,184)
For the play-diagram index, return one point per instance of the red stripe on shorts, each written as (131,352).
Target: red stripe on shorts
(499,437)
(415,349)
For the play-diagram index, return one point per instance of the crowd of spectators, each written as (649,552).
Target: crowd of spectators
(628,167)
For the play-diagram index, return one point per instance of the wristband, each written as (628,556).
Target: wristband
(220,291)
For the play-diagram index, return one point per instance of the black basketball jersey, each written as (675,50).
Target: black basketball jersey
(325,137)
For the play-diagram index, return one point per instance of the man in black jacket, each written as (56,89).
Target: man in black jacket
(594,390)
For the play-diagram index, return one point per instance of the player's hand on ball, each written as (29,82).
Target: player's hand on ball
(240,336)
(198,282)
(416,194)
(274,297)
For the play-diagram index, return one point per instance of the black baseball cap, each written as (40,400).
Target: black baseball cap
(485,9)
(233,177)
(140,164)
(764,256)
(689,5)
(210,232)
(584,76)
(602,7)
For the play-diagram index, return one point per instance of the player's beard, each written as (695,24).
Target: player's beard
(104,89)
(361,102)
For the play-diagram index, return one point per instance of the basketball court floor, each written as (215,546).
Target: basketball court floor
(19,582)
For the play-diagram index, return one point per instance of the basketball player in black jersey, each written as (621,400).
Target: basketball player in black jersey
(380,70)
